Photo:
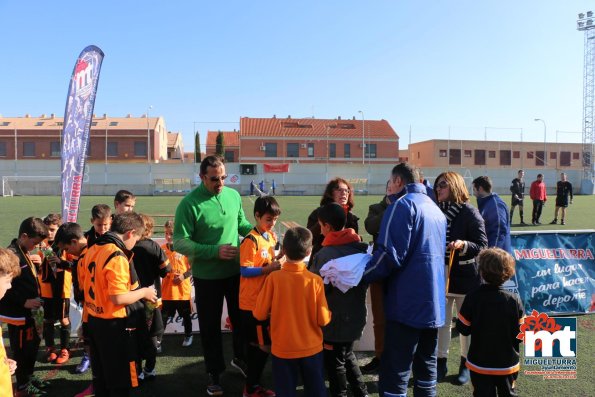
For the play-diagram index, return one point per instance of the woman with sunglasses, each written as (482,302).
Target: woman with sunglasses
(465,237)
(337,191)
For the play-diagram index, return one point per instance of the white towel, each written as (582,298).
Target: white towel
(345,272)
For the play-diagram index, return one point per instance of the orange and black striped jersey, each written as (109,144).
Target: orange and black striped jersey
(5,380)
(106,272)
(179,265)
(55,283)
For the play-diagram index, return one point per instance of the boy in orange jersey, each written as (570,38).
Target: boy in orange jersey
(295,299)
(257,260)
(101,219)
(56,284)
(175,286)
(111,297)
(19,301)
(9,268)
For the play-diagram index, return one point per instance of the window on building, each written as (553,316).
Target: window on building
(418,155)
(140,149)
(530,155)
(575,156)
(454,157)
(480,157)
(468,153)
(553,155)
(229,156)
(505,157)
(112,149)
(113,123)
(492,154)
(60,123)
(516,154)
(55,150)
(332,150)
(564,159)
(270,149)
(371,151)
(39,124)
(442,153)
(5,123)
(310,150)
(2,149)
(94,124)
(540,158)
(293,150)
(347,150)
(28,149)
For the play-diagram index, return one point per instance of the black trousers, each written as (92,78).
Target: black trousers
(537,207)
(24,344)
(342,367)
(209,305)
(487,385)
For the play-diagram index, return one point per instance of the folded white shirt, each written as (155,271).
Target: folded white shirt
(345,272)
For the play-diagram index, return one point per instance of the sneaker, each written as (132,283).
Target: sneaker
(149,375)
(240,366)
(187,341)
(555,221)
(522,223)
(371,367)
(63,357)
(259,391)
(213,386)
(38,382)
(84,365)
(158,347)
(562,223)
(87,392)
(51,355)
(30,391)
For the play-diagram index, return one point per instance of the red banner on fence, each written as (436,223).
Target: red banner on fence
(276,167)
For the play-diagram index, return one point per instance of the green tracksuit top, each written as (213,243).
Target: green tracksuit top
(203,222)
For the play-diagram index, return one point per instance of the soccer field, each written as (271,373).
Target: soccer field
(181,370)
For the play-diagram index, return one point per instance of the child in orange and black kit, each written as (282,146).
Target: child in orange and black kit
(19,301)
(9,268)
(257,260)
(56,285)
(111,298)
(175,286)
(294,298)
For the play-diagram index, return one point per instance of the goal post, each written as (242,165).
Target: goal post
(14,185)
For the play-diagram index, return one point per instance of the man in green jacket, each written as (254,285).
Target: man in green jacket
(207,223)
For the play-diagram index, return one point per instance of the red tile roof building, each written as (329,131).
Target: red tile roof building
(231,144)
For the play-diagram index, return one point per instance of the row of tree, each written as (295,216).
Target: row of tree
(219,146)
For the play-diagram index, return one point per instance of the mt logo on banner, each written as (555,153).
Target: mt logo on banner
(546,336)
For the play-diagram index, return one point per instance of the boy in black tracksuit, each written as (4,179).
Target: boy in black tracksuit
(348,308)
(15,308)
(492,316)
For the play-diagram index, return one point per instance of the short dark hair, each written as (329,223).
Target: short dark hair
(495,265)
(33,227)
(334,215)
(266,205)
(297,242)
(540,175)
(519,171)
(211,161)
(101,211)
(124,195)
(406,172)
(484,182)
(67,232)
(126,222)
(53,219)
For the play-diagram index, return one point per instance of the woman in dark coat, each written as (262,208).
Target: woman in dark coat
(465,237)
(337,191)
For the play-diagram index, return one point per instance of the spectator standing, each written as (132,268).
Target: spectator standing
(563,192)
(517,190)
(273,186)
(465,237)
(539,196)
(409,257)
(262,186)
(494,212)
(207,226)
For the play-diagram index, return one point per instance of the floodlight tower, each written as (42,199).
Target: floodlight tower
(586,23)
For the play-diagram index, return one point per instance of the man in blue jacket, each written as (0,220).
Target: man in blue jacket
(494,212)
(409,257)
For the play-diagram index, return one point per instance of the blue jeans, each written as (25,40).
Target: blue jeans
(285,375)
(401,343)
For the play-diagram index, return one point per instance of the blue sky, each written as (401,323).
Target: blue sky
(433,65)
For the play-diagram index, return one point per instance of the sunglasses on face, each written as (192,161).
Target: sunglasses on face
(442,185)
(217,178)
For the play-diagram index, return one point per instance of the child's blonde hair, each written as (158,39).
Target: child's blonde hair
(169,224)
(495,266)
(149,223)
(9,263)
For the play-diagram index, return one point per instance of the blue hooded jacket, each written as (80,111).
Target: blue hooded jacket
(409,256)
(494,212)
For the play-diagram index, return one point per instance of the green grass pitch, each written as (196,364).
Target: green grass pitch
(181,370)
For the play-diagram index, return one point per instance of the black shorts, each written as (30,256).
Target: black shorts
(562,202)
(170,308)
(113,353)
(515,201)
(257,332)
(56,308)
